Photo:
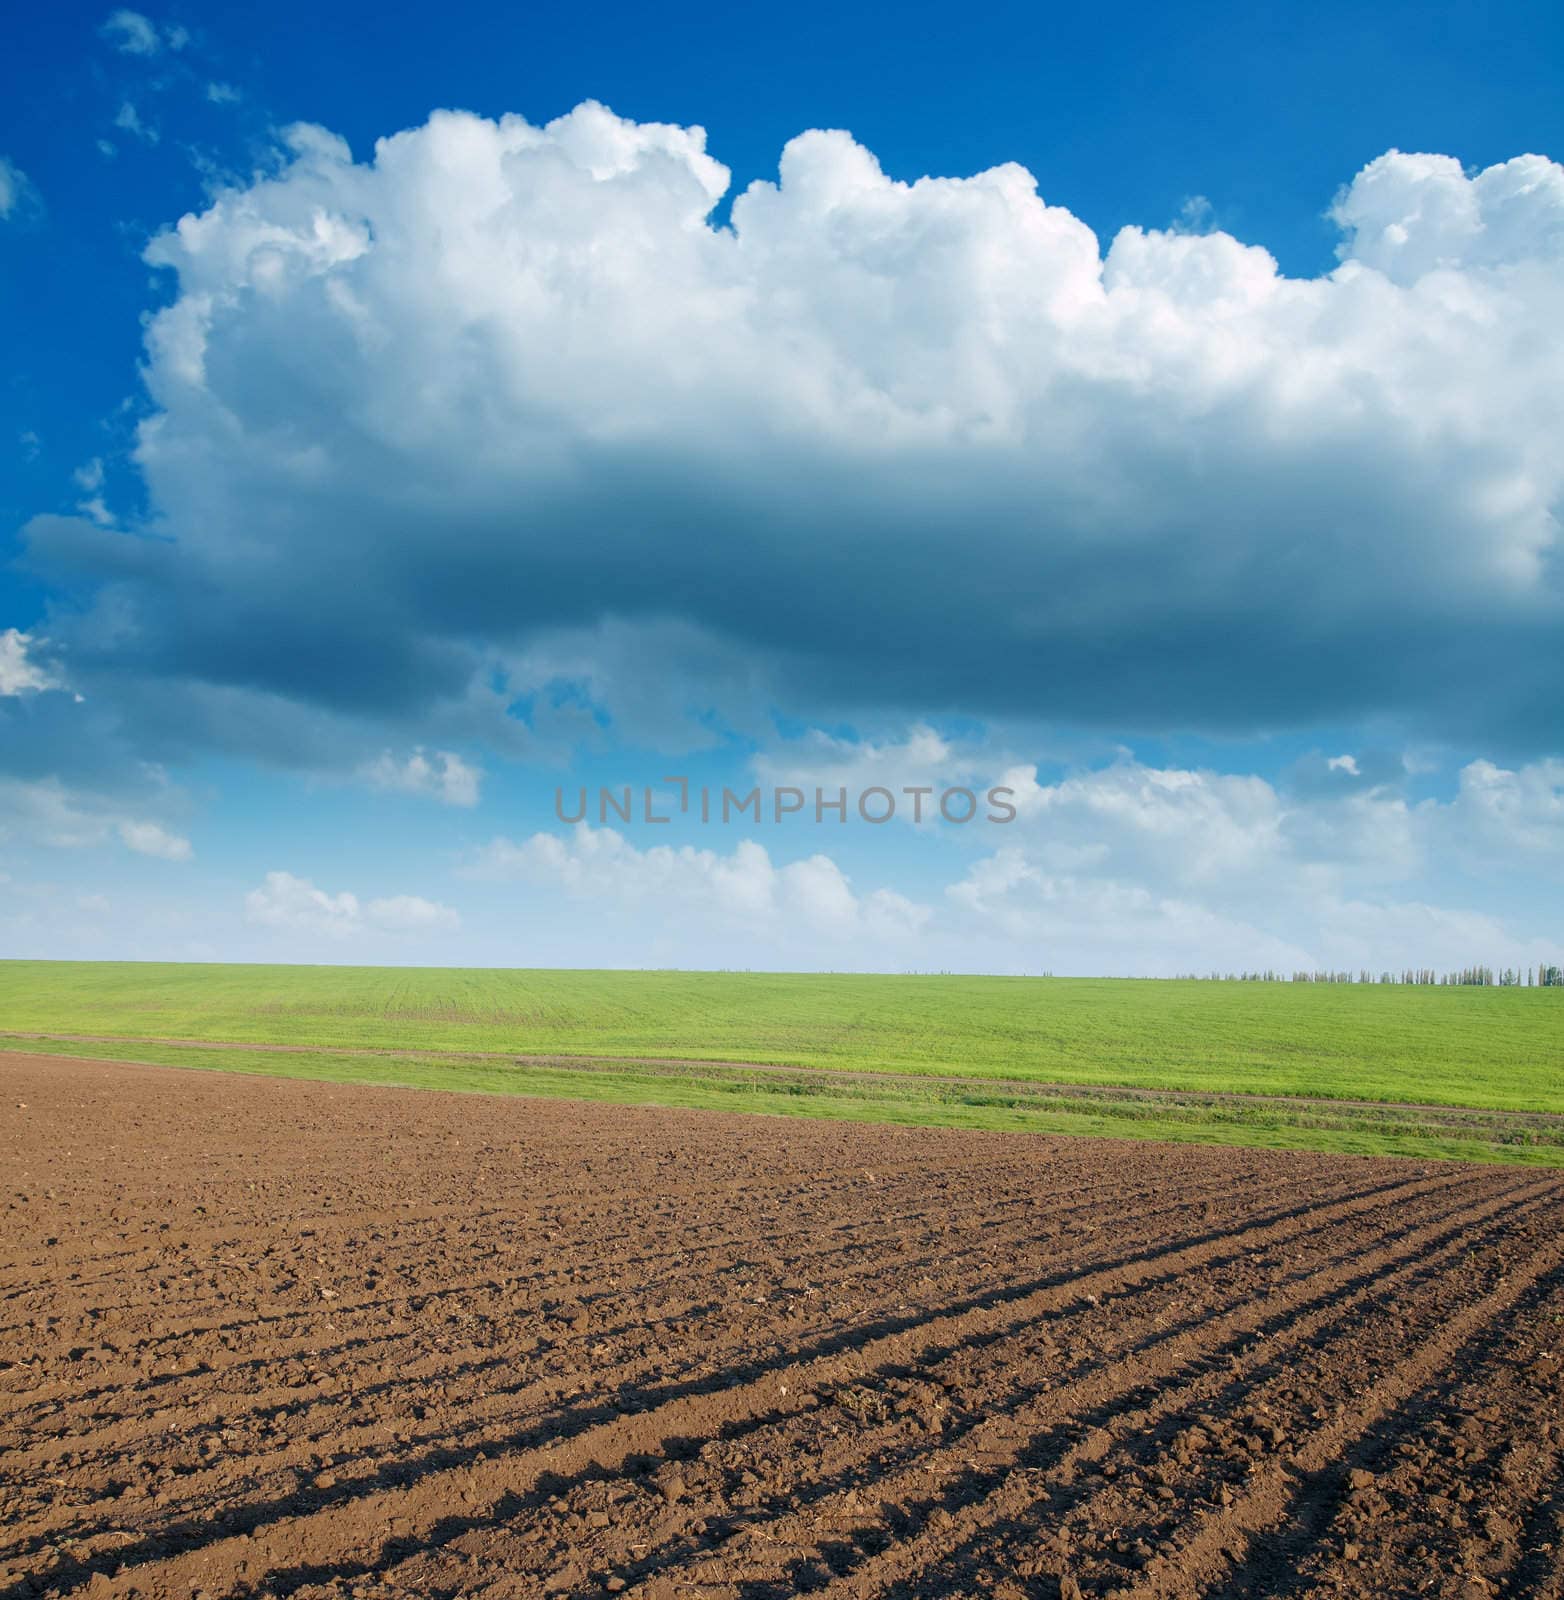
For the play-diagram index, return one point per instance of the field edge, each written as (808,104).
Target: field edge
(1237,1120)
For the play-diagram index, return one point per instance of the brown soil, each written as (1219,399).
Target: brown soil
(263,1337)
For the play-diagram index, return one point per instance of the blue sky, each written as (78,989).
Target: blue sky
(1159,420)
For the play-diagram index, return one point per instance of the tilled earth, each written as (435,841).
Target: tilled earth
(262,1337)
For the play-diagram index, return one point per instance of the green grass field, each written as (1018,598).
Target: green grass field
(1492,1050)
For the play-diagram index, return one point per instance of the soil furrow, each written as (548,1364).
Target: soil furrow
(694,1411)
(457,1422)
(270,1338)
(1077,1415)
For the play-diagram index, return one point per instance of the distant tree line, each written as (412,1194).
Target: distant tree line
(1539,977)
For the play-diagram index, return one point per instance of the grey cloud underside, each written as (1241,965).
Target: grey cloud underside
(909,448)
(915,613)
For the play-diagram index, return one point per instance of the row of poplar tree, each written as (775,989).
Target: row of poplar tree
(1539,977)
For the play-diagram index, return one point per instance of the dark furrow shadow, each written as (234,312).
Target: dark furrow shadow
(961,1570)
(695,1311)
(1045,1449)
(1271,1568)
(193,1534)
(864,1474)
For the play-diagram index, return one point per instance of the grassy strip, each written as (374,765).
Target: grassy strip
(926,1103)
(1493,1048)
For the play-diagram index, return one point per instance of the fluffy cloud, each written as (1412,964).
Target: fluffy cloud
(149,839)
(292,904)
(1188,825)
(1135,868)
(1513,812)
(924,445)
(19,674)
(1251,837)
(296,905)
(1173,825)
(1410,216)
(1126,868)
(811,896)
(444,776)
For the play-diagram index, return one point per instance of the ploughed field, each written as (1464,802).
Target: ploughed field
(273,1337)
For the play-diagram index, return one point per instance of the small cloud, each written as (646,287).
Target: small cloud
(1347,764)
(89,479)
(148,839)
(129,120)
(296,905)
(19,674)
(133,35)
(108,148)
(445,777)
(1195,215)
(222,94)
(18,197)
(31,444)
(410,913)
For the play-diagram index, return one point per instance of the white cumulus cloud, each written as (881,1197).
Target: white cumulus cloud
(149,839)
(287,902)
(1409,216)
(441,775)
(19,674)
(515,381)
(293,904)
(1138,868)
(1513,811)
(811,896)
